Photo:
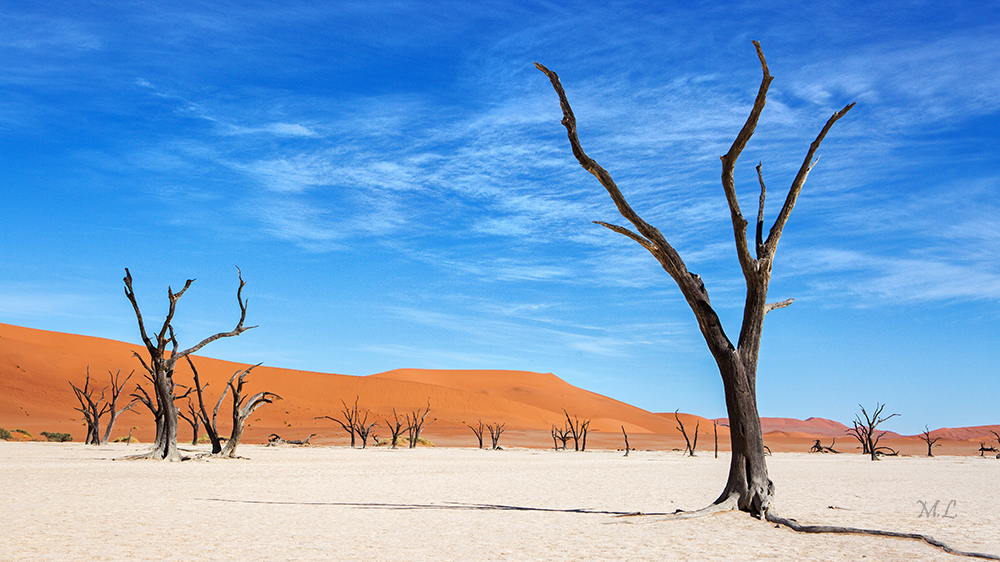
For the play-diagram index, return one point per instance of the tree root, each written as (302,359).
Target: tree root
(795,526)
(728,504)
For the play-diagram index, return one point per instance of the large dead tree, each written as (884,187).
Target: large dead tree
(162,361)
(350,421)
(748,487)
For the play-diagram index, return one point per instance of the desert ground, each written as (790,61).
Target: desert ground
(69,501)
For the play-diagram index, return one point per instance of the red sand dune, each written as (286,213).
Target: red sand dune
(35,367)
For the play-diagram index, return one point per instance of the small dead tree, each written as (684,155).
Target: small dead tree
(93,411)
(560,433)
(161,364)
(689,447)
(193,417)
(819,448)
(242,408)
(416,424)
(931,443)
(396,429)
(496,430)
(363,427)
(209,423)
(984,449)
(867,428)
(857,431)
(578,430)
(477,430)
(349,423)
(627,448)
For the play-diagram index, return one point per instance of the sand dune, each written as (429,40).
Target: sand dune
(36,365)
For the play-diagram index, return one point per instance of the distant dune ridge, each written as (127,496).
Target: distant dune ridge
(36,365)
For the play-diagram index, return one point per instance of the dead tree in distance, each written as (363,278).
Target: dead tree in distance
(931,443)
(690,447)
(396,428)
(627,448)
(819,448)
(748,487)
(866,430)
(416,424)
(161,363)
(363,427)
(193,417)
(349,423)
(496,430)
(211,429)
(93,411)
(477,430)
(578,430)
(560,433)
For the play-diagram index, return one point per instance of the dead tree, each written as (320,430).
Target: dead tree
(560,433)
(161,364)
(193,417)
(984,449)
(857,431)
(690,447)
(348,422)
(496,430)
(578,430)
(926,436)
(819,448)
(715,428)
(866,429)
(211,429)
(997,435)
(242,408)
(478,432)
(363,427)
(627,448)
(396,428)
(93,411)
(416,424)
(748,487)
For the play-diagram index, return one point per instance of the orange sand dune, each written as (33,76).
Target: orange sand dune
(35,367)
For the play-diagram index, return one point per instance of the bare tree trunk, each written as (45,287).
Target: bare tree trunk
(417,424)
(926,436)
(496,429)
(242,408)
(680,425)
(715,427)
(748,486)
(116,389)
(211,429)
(478,431)
(626,441)
(396,428)
(161,364)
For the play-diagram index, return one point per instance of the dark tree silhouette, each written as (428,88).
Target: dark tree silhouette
(416,424)
(819,448)
(627,448)
(396,428)
(93,410)
(193,417)
(161,365)
(690,447)
(560,433)
(496,430)
(748,487)
(931,443)
(865,431)
(478,431)
(578,430)
(350,421)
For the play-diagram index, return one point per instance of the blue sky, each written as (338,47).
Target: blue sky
(395,184)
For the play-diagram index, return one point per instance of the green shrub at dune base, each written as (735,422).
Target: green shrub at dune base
(57,437)
(5,435)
